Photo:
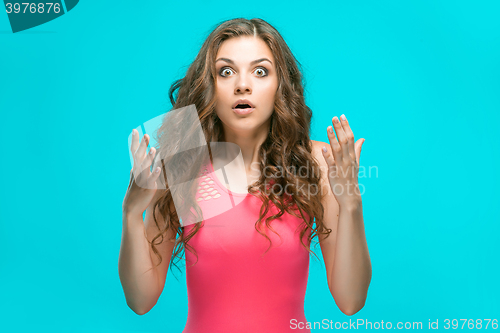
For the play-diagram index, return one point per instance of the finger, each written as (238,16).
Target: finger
(140,154)
(359,144)
(341,136)
(330,161)
(131,177)
(135,141)
(158,163)
(334,144)
(146,164)
(350,136)
(143,170)
(154,176)
(327,154)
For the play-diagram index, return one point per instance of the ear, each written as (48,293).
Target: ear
(357,148)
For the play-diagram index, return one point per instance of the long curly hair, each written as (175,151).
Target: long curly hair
(286,149)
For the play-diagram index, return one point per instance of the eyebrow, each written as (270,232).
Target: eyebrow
(252,63)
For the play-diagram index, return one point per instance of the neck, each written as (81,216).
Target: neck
(249,143)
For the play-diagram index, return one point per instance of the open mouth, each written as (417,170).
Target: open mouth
(242,106)
(243,109)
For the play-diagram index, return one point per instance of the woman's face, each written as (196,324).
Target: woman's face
(245,69)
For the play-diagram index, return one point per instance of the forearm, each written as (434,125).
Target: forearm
(138,276)
(352,268)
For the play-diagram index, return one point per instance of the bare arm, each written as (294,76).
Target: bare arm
(345,251)
(351,269)
(141,280)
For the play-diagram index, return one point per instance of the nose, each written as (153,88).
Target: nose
(242,84)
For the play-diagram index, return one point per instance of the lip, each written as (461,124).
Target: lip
(243,101)
(243,111)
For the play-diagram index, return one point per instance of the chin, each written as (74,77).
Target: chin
(241,124)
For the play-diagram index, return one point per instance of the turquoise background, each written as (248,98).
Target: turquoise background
(419,80)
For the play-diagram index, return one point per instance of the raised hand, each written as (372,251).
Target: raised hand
(142,185)
(343,165)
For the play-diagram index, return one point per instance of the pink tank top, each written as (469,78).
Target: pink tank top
(234,287)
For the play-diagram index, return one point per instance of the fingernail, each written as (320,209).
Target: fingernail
(133,132)
(151,152)
(343,117)
(335,120)
(330,129)
(324,149)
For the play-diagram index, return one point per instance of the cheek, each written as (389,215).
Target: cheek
(222,89)
(269,91)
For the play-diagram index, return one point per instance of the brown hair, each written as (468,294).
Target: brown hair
(287,146)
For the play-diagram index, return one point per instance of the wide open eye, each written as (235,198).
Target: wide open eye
(262,70)
(224,70)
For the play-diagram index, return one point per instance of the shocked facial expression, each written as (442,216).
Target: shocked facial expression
(246,83)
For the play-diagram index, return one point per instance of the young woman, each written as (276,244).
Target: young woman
(250,263)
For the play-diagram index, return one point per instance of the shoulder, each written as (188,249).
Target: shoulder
(317,143)
(317,154)
(317,146)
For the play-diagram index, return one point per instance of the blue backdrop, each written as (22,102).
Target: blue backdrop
(418,80)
